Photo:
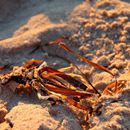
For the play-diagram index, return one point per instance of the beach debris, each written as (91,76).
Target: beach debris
(57,85)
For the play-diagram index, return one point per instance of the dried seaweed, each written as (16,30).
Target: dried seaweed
(47,81)
(95,65)
(114,87)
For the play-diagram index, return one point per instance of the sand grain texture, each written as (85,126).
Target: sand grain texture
(100,31)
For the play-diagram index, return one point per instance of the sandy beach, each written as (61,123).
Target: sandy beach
(98,30)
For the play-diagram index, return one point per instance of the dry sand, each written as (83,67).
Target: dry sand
(100,31)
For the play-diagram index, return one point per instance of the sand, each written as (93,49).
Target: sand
(97,30)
